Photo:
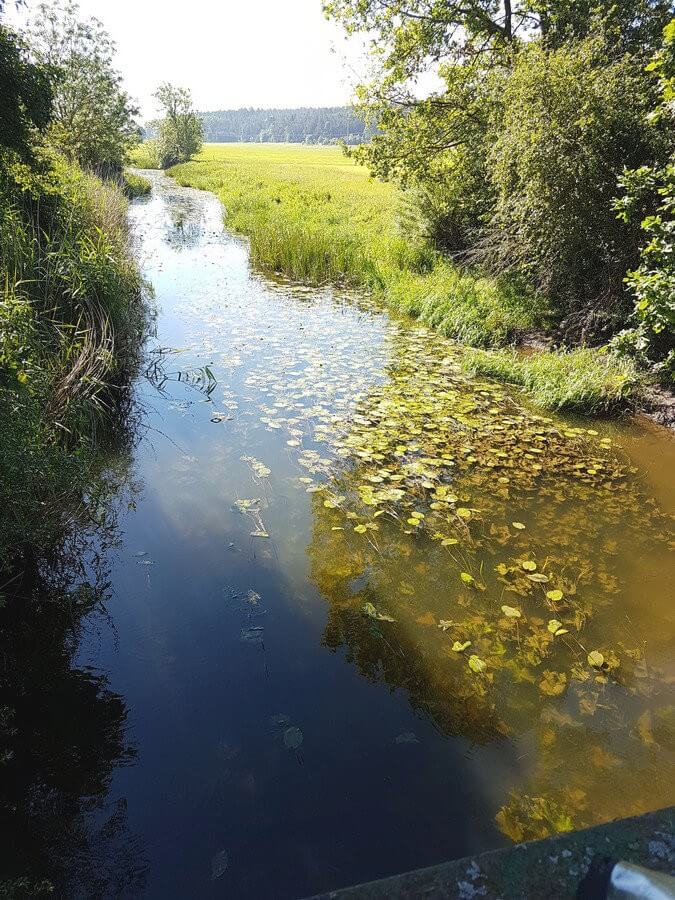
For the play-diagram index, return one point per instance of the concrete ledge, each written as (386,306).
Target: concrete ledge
(540,870)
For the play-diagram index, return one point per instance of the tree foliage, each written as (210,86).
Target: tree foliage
(25,95)
(572,119)
(325,125)
(179,133)
(513,158)
(653,281)
(93,118)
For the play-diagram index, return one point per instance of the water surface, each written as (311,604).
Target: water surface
(365,614)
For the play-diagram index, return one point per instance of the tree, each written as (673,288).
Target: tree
(179,133)
(572,119)
(459,40)
(25,96)
(93,118)
(514,157)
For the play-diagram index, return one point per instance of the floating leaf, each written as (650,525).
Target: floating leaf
(460,646)
(529,565)
(466,578)
(463,512)
(554,595)
(538,578)
(476,664)
(518,525)
(407,737)
(293,737)
(511,612)
(280,720)
(360,529)
(553,683)
(370,610)
(556,627)
(596,659)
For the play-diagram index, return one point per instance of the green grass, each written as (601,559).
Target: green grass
(72,318)
(143,156)
(135,185)
(588,380)
(313,215)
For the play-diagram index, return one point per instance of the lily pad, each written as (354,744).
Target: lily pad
(460,646)
(476,664)
(596,659)
(293,738)
(511,612)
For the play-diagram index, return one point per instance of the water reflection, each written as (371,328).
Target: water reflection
(62,728)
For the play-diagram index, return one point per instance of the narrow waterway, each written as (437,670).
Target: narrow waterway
(364,614)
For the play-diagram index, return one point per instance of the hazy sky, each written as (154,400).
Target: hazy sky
(230,53)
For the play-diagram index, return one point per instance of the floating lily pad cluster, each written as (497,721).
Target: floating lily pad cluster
(507,570)
(494,541)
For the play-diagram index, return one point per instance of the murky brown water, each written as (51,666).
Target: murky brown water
(368,614)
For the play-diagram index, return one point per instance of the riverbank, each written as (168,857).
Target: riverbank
(72,320)
(313,215)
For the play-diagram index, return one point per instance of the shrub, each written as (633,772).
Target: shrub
(573,118)
(135,185)
(652,339)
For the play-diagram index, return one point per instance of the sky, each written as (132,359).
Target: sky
(229,53)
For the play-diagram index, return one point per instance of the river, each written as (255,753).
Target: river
(363,613)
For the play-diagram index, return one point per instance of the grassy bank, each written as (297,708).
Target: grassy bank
(312,214)
(578,380)
(72,318)
(135,185)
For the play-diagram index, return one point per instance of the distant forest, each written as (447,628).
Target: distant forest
(304,125)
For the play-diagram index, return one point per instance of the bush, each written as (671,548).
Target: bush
(652,339)
(572,119)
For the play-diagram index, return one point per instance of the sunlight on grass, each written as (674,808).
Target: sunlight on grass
(588,379)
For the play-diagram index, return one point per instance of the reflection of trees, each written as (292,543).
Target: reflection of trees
(404,654)
(415,524)
(61,727)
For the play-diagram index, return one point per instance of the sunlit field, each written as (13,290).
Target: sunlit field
(310,212)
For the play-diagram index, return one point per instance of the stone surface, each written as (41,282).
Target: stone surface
(541,870)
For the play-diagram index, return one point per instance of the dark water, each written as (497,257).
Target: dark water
(269,703)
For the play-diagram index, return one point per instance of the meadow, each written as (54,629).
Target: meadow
(314,215)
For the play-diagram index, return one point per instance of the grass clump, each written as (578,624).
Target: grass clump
(314,215)
(588,380)
(72,318)
(135,185)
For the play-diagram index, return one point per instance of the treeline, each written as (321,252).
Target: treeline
(305,125)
